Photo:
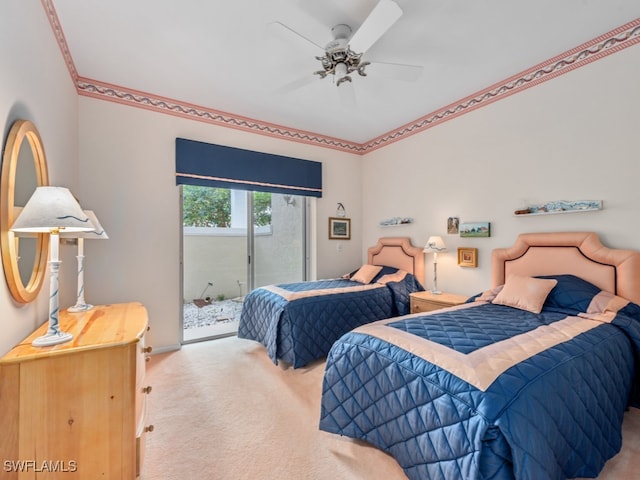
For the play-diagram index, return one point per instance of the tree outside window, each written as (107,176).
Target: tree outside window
(211,207)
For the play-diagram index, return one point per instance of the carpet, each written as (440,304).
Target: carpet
(222,410)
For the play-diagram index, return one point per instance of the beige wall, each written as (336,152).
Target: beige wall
(127,176)
(119,162)
(571,138)
(35,85)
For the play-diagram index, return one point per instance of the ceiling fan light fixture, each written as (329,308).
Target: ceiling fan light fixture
(341,76)
(339,60)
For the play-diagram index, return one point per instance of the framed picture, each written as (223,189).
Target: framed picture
(468,257)
(478,229)
(453,224)
(339,228)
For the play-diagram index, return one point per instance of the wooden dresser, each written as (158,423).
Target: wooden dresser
(78,409)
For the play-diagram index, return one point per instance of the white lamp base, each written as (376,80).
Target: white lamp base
(80,307)
(436,292)
(52,339)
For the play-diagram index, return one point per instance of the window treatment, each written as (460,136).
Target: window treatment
(210,165)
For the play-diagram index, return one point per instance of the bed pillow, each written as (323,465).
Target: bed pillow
(386,271)
(571,293)
(525,293)
(366,273)
(487,295)
(385,278)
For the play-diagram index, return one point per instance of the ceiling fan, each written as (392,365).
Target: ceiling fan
(342,57)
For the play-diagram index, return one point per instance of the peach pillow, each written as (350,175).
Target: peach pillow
(490,295)
(366,273)
(525,293)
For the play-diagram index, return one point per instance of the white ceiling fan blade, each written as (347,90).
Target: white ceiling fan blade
(381,18)
(290,36)
(347,95)
(396,71)
(297,84)
(326,13)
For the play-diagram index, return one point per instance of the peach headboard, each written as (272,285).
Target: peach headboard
(576,253)
(398,252)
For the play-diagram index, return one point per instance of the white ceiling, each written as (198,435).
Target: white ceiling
(218,54)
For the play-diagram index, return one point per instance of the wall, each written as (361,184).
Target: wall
(119,162)
(571,138)
(35,85)
(127,176)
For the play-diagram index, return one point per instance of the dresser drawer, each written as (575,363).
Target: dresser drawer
(426,301)
(141,436)
(141,360)
(419,307)
(141,406)
(140,446)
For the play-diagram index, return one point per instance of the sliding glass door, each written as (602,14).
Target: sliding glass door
(234,241)
(278,241)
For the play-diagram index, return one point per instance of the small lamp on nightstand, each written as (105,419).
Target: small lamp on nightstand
(435,245)
(52,210)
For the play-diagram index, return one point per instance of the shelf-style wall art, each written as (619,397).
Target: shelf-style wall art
(396,221)
(560,206)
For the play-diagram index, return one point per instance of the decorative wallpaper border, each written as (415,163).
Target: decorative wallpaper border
(134,98)
(611,42)
(60,38)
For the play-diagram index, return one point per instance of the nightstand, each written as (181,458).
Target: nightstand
(427,301)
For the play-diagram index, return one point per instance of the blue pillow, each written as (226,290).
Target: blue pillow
(385,271)
(571,293)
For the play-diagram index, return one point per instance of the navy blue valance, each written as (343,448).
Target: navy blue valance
(209,165)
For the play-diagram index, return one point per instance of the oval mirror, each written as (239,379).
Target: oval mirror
(24,167)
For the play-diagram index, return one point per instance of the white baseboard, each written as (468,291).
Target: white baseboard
(165,349)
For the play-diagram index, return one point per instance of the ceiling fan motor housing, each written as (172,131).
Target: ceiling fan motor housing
(341,32)
(337,52)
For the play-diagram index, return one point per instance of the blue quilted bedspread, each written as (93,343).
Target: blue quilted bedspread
(486,391)
(298,322)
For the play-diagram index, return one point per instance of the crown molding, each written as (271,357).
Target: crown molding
(602,46)
(126,96)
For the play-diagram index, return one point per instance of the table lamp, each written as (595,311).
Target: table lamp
(52,210)
(97,234)
(435,245)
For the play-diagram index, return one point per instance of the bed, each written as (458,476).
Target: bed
(490,389)
(298,322)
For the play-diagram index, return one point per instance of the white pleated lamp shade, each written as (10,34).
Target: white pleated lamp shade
(98,233)
(435,245)
(50,209)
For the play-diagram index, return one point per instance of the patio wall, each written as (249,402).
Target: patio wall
(220,256)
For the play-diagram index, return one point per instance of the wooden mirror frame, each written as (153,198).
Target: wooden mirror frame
(21,130)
